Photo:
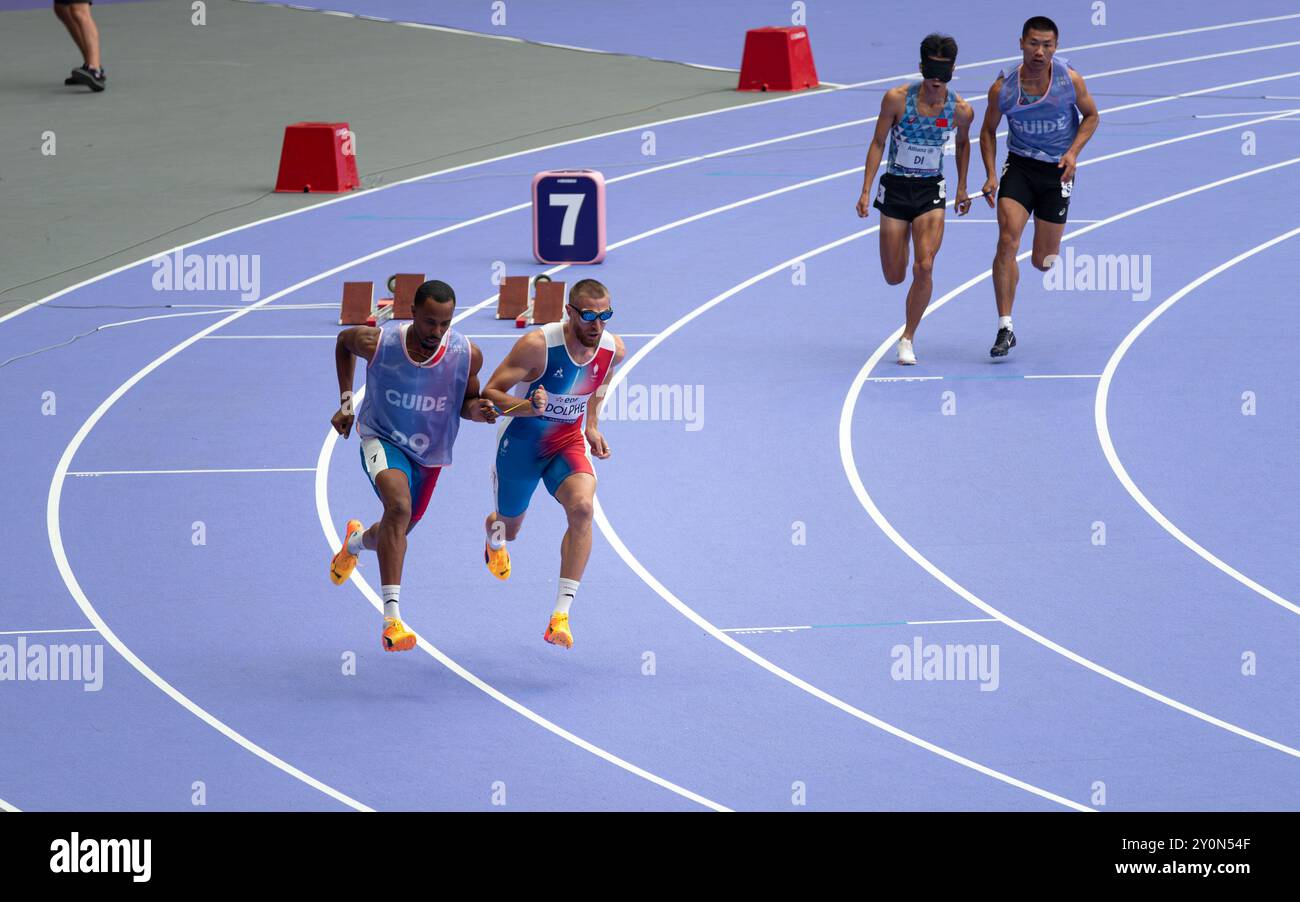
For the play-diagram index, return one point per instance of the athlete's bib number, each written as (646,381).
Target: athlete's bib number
(564,408)
(920,157)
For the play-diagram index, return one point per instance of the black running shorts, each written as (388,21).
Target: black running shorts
(901,197)
(1036,185)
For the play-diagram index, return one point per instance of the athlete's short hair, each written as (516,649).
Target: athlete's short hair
(436,290)
(1040,23)
(587,288)
(940,45)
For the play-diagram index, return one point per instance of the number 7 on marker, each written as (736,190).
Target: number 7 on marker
(572,203)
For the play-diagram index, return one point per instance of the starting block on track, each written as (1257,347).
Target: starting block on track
(513,299)
(547,305)
(403,286)
(358,300)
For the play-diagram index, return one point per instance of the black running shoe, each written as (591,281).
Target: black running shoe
(84,75)
(1006,340)
(103,74)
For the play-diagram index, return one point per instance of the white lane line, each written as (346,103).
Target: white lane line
(1207,56)
(796,96)
(335,542)
(333,337)
(607,529)
(765,629)
(175,472)
(864,497)
(973,378)
(55,532)
(1239,115)
(1167,141)
(827,626)
(1108,446)
(968,620)
(5,806)
(88,629)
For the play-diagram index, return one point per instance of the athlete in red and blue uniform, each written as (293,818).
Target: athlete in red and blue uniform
(545,436)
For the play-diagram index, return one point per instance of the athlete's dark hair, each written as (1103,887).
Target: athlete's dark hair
(1039,23)
(435,290)
(939,45)
(587,288)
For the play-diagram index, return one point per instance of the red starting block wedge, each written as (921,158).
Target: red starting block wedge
(777,59)
(318,156)
(405,285)
(383,313)
(358,298)
(513,299)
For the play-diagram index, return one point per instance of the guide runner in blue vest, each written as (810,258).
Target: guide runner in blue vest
(421,380)
(1042,99)
(919,119)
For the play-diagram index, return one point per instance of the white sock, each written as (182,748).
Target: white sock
(564,595)
(355,543)
(492,539)
(1004,322)
(390,594)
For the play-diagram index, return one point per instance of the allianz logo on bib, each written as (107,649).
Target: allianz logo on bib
(420,403)
(1041,126)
